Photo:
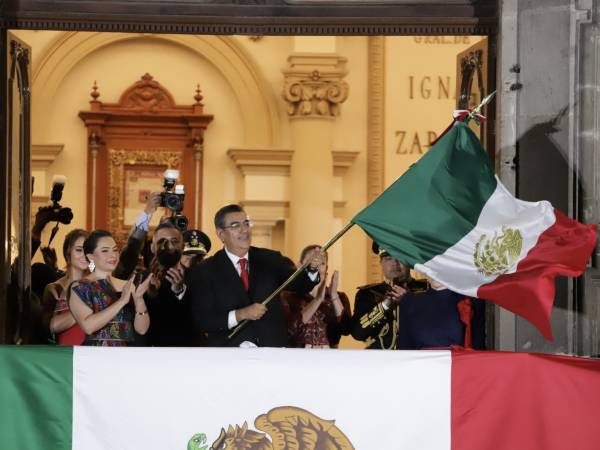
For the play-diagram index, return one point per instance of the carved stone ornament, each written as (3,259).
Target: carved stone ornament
(118,160)
(314,85)
(147,95)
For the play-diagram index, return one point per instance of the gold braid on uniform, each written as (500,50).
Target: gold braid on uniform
(374,317)
(395,329)
(377,314)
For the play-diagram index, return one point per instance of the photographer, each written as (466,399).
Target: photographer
(137,238)
(51,213)
(166,299)
(26,310)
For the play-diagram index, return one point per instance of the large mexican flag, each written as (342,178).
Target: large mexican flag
(294,399)
(451,219)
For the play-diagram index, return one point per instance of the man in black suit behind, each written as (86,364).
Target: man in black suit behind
(228,287)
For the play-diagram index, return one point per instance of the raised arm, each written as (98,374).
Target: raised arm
(88,320)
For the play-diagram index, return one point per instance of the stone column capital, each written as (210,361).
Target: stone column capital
(314,85)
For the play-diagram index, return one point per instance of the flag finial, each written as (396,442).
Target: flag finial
(484,102)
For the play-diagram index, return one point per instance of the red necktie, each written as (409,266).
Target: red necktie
(244,272)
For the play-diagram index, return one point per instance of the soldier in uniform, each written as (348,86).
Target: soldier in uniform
(196,245)
(376,306)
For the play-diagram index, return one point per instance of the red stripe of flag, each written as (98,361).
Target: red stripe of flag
(522,401)
(563,249)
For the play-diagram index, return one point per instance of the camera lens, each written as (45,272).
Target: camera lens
(180,222)
(174,202)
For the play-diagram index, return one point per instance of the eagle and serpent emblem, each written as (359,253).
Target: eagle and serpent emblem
(499,253)
(282,428)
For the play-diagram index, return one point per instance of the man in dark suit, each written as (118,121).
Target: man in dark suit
(227,288)
(166,299)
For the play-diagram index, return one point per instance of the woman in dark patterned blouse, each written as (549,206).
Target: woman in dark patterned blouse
(101,303)
(318,319)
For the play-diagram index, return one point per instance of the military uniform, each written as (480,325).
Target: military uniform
(372,322)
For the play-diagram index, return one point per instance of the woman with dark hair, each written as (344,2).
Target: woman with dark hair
(101,303)
(56,314)
(318,319)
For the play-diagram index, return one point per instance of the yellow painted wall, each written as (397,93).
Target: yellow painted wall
(420,95)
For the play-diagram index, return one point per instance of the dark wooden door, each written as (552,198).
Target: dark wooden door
(15,277)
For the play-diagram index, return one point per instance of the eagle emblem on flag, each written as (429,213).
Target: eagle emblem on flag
(284,428)
(499,253)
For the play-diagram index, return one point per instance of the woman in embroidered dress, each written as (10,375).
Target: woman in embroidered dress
(57,316)
(318,319)
(101,303)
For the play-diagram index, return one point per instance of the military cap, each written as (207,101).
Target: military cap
(378,250)
(195,242)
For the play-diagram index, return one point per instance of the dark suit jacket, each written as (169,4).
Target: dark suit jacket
(431,319)
(216,288)
(170,318)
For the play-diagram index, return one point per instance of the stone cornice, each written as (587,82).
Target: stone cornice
(256,17)
(266,212)
(42,155)
(254,161)
(342,160)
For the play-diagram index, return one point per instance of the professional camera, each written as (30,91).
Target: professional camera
(172,198)
(55,212)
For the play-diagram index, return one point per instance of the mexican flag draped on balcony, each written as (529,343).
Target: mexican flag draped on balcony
(451,219)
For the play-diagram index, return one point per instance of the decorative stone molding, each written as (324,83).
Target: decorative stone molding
(376,133)
(265,215)
(266,211)
(339,209)
(254,161)
(314,86)
(342,160)
(251,17)
(42,155)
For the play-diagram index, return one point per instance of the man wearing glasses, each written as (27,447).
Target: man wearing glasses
(228,287)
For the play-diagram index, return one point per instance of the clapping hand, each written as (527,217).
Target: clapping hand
(128,290)
(142,288)
(175,276)
(333,285)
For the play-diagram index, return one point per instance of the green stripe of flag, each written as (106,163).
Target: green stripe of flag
(36,397)
(435,203)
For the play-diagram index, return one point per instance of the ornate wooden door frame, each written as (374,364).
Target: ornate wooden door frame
(15,189)
(145,127)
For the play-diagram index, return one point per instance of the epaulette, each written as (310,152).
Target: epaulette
(369,286)
(417,286)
